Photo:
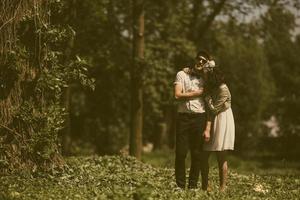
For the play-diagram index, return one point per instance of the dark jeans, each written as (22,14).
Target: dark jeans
(189,137)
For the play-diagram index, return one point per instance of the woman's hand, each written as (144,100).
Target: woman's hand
(208,99)
(187,95)
(206,135)
(197,93)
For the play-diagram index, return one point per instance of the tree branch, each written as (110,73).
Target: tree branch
(204,28)
(11,130)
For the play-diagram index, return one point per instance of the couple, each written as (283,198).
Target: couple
(205,121)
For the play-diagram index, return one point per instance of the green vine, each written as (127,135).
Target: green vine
(34,73)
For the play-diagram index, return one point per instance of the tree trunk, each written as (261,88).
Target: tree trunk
(194,23)
(66,132)
(199,26)
(208,22)
(135,148)
(66,137)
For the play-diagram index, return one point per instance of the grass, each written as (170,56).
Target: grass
(118,177)
(260,166)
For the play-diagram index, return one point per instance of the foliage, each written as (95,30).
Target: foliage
(173,33)
(34,74)
(251,92)
(126,178)
(282,49)
(39,62)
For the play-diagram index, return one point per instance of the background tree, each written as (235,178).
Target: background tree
(136,80)
(100,121)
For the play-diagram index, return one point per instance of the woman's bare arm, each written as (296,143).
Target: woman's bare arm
(187,95)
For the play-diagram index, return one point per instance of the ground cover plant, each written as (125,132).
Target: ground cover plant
(122,177)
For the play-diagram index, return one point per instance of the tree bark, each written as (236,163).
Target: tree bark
(135,147)
(66,137)
(207,23)
(194,24)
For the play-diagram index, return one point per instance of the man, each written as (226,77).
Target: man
(192,125)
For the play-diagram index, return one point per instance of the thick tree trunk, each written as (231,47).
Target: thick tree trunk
(136,80)
(24,125)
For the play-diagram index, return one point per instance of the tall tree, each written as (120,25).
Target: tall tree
(203,15)
(66,132)
(136,80)
(28,113)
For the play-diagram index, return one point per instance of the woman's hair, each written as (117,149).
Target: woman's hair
(204,54)
(215,79)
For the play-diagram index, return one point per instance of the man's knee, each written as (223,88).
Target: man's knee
(196,154)
(180,155)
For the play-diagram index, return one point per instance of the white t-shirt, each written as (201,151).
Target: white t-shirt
(190,83)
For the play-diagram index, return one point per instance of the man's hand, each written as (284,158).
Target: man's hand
(206,135)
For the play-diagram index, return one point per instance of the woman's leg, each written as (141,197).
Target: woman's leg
(223,168)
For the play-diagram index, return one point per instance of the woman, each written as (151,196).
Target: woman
(222,133)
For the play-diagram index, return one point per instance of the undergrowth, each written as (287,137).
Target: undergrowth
(118,177)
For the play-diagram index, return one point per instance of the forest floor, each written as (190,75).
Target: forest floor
(123,177)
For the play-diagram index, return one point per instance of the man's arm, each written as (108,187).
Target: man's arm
(187,95)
